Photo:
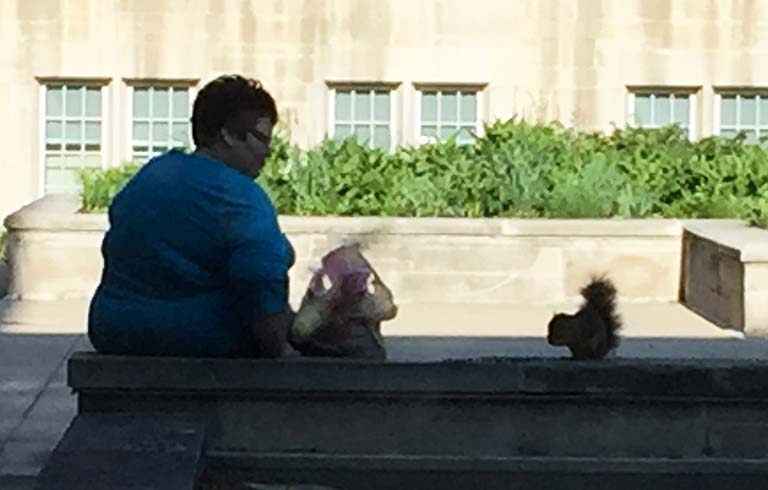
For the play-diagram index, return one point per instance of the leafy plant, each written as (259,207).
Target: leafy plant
(101,186)
(3,242)
(513,169)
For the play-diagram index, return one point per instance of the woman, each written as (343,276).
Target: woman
(195,263)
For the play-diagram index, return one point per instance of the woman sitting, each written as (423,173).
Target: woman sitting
(195,263)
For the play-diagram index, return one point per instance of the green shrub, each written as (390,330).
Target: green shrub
(3,242)
(514,169)
(101,186)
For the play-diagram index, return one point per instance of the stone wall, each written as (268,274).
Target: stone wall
(54,254)
(725,274)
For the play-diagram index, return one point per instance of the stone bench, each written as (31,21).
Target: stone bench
(419,420)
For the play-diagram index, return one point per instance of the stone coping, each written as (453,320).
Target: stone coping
(59,212)
(489,377)
(748,244)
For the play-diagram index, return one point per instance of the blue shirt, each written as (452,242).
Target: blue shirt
(193,255)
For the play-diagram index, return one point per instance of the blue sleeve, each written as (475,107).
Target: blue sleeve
(259,255)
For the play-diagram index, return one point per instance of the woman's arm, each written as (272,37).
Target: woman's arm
(270,334)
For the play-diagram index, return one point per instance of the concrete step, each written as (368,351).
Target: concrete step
(386,472)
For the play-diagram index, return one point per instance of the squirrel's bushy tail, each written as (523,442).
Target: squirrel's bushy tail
(600,293)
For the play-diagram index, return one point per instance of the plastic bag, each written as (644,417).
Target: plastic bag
(343,319)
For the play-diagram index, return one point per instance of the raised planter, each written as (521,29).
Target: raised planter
(54,254)
(717,268)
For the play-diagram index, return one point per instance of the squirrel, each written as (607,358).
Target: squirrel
(594,330)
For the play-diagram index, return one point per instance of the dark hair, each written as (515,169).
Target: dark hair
(220,103)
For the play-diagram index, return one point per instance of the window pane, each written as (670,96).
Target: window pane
(468,107)
(751,136)
(73,131)
(59,180)
(748,116)
(53,101)
(180,133)
(53,130)
(728,133)
(446,132)
(74,101)
(343,106)
(92,132)
(381,106)
(764,109)
(429,107)
(52,147)
(160,132)
(93,102)
(363,134)
(92,160)
(449,107)
(661,110)
(141,102)
(728,110)
(160,102)
(429,130)
(466,134)
(363,106)
(643,110)
(381,137)
(141,131)
(181,103)
(72,161)
(682,108)
(342,131)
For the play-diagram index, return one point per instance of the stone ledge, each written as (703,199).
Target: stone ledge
(55,212)
(648,378)
(59,212)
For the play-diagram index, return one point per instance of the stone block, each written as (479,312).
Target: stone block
(110,451)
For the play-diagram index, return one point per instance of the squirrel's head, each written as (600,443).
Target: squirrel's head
(563,329)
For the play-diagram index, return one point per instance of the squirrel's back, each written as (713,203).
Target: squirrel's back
(600,294)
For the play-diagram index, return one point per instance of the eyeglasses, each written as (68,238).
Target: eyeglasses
(264,139)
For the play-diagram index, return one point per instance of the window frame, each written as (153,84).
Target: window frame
(420,87)
(761,92)
(390,87)
(691,92)
(104,150)
(134,83)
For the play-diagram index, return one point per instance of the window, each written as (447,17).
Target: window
(445,113)
(743,112)
(363,113)
(72,134)
(160,120)
(657,109)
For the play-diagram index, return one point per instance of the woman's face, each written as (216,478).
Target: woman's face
(250,151)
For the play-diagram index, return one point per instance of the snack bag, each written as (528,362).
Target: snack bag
(343,319)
